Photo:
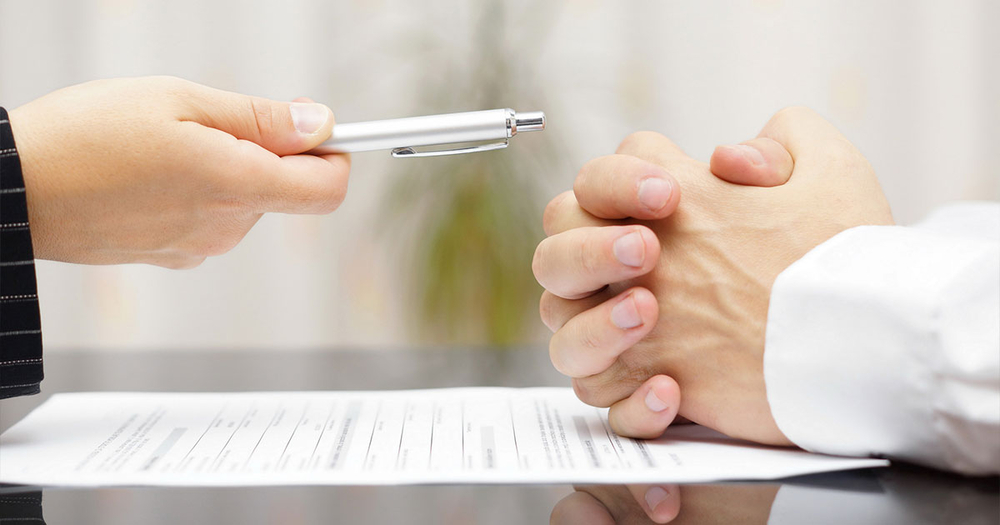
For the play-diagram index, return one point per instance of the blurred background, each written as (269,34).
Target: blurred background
(438,251)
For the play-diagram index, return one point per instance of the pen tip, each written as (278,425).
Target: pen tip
(529,121)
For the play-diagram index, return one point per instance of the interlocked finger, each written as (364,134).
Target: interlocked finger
(591,342)
(576,263)
(564,213)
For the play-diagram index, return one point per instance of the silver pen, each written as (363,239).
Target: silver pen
(478,130)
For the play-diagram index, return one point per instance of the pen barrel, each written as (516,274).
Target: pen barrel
(453,128)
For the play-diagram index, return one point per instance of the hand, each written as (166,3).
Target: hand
(163,171)
(611,505)
(687,298)
(676,504)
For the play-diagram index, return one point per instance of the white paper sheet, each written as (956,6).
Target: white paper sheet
(461,435)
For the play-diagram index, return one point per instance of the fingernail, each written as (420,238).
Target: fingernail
(750,153)
(630,250)
(654,193)
(654,403)
(308,118)
(625,314)
(654,496)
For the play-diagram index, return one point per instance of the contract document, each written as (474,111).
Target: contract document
(456,435)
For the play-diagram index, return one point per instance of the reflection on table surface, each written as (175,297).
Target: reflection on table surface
(900,494)
(887,496)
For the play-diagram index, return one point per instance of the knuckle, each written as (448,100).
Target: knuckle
(632,424)
(588,260)
(183,263)
(307,197)
(556,357)
(224,236)
(552,211)
(170,264)
(332,199)
(170,82)
(222,246)
(637,375)
(589,338)
(633,139)
(538,264)
(841,148)
(791,114)
(595,391)
(207,247)
(634,373)
(175,81)
(583,391)
(178,89)
(845,159)
(547,310)
(263,116)
(583,176)
(320,195)
(576,351)
(621,423)
(639,140)
(297,197)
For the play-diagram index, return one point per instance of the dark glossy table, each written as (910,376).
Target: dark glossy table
(900,494)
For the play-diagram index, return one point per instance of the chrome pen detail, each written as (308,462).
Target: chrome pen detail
(474,131)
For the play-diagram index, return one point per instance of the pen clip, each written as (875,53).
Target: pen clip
(410,153)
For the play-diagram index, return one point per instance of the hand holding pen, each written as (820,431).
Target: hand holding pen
(163,171)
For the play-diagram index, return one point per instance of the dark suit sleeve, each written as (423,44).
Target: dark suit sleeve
(20,323)
(21,508)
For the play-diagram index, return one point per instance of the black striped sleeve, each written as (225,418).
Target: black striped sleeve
(20,323)
(21,508)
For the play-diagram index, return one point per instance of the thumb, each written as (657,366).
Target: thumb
(283,128)
(792,134)
(758,162)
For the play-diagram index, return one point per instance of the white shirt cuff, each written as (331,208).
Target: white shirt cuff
(884,341)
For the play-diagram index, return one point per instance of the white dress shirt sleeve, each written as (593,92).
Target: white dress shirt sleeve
(885,340)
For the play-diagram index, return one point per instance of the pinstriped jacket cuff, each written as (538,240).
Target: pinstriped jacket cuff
(20,322)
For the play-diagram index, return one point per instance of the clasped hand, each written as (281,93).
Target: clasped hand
(658,268)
